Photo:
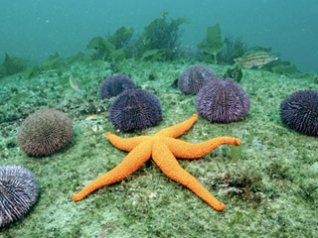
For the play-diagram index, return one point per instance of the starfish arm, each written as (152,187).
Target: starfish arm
(134,160)
(185,150)
(125,144)
(178,129)
(170,167)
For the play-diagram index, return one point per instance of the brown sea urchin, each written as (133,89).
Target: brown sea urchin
(45,132)
(18,193)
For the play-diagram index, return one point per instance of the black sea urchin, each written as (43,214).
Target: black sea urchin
(222,101)
(194,78)
(45,132)
(115,85)
(135,110)
(299,111)
(18,193)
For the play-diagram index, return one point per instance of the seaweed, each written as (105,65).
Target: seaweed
(160,39)
(234,73)
(121,37)
(232,48)
(53,62)
(282,67)
(12,65)
(113,47)
(212,44)
(102,47)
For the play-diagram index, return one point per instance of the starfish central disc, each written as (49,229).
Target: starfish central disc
(163,148)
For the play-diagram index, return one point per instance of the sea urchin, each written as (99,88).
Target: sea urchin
(299,111)
(194,78)
(222,101)
(44,132)
(115,85)
(135,110)
(18,193)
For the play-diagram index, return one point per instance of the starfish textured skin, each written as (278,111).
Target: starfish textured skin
(163,148)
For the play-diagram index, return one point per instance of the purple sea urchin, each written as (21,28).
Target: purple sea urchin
(115,85)
(299,111)
(222,101)
(44,132)
(194,78)
(135,110)
(18,193)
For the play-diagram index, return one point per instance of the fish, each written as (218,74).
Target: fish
(94,117)
(255,59)
(74,85)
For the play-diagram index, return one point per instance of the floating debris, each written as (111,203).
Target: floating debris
(255,59)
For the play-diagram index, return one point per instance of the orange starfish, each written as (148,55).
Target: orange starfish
(163,148)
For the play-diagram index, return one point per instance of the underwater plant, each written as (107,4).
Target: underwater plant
(232,49)
(45,132)
(212,44)
(281,67)
(160,39)
(135,110)
(299,111)
(121,37)
(222,101)
(234,73)
(11,65)
(113,47)
(194,78)
(115,85)
(103,48)
(18,193)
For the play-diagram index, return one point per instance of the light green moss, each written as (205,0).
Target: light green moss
(269,184)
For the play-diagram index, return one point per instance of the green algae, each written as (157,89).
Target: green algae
(160,40)
(12,65)
(269,183)
(213,43)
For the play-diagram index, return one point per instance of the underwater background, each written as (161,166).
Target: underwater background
(74,75)
(35,29)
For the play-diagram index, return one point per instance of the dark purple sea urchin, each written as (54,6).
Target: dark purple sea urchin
(115,85)
(18,193)
(299,111)
(194,78)
(135,110)
(222,101)
(45,132)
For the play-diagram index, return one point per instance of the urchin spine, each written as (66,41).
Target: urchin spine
(135,110)
(45,132)
(18,193)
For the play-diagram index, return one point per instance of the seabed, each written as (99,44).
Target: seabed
(269,183)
